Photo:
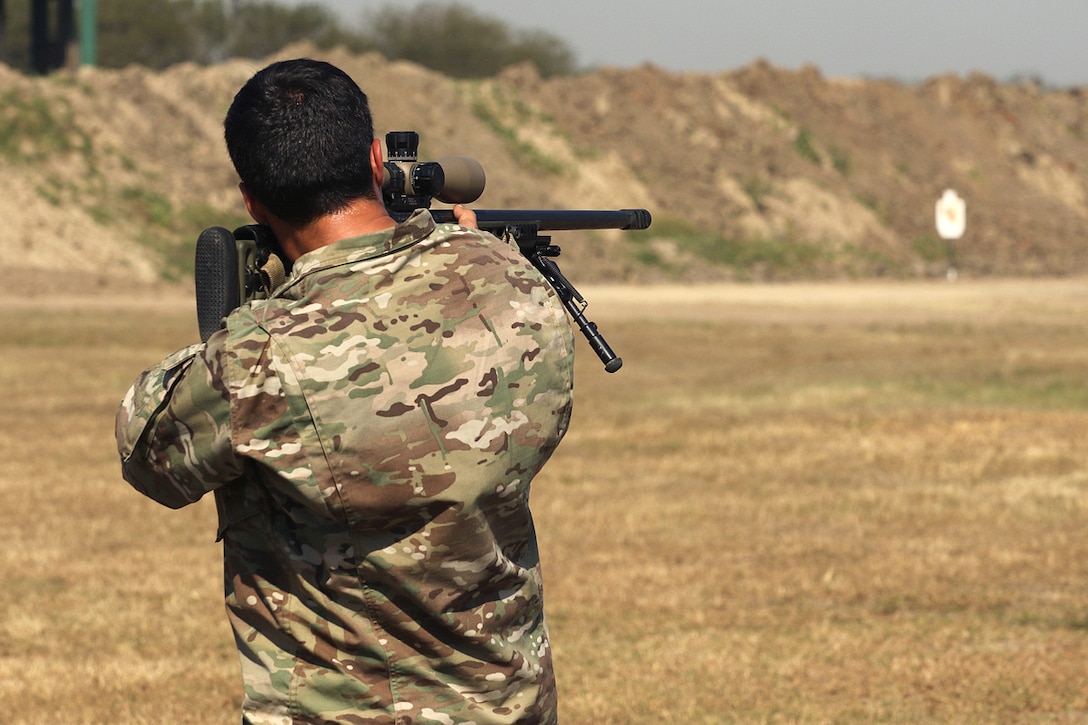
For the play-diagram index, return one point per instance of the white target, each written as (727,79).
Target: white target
(951,215)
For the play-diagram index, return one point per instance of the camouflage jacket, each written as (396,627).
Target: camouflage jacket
(371,432)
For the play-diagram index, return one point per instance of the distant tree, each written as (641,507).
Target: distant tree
(459,42)
(153,33)
(212,31)
(15,45)
(157,33)
(451,39)
(261,27)
(549,53)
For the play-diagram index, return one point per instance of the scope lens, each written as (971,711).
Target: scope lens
(428,178)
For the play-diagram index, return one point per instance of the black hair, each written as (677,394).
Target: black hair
(299,134)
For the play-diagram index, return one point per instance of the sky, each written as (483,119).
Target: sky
(906,40)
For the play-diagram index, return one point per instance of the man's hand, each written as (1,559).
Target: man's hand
(465,216)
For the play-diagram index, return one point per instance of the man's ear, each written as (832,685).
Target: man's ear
(255,208)
(377,165)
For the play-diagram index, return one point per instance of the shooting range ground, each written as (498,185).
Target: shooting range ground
(795,503)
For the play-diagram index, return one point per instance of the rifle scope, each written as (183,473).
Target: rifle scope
(409,184)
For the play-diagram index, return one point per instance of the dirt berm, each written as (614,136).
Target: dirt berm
(757,173)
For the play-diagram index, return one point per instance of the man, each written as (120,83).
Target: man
(370,433)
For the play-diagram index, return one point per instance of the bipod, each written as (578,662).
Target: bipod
(541,253)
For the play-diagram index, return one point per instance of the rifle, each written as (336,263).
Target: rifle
(232,268)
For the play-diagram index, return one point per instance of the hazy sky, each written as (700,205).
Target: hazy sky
(904,39)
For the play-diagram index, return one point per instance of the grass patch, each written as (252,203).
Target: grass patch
(840,160)
(825,513)
(757,188)
(494,108)
(931,248)
(34,128)
(806,147)
(875,205)
(756,257)
(170,230)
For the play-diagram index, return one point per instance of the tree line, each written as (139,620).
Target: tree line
(450,38)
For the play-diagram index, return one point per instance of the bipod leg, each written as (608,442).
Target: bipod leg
(539,252)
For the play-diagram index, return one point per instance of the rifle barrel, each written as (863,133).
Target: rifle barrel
(555,219)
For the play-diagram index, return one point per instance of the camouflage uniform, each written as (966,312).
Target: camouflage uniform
(370,433)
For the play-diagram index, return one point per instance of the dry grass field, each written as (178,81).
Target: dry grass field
(795,504)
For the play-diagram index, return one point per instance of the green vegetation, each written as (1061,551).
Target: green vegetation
(805,148)
(765,257)
(33,127)
(874,204)
(157,33)
(784,257)
(494,107)
(757,188)
(54,189)
(171,230)
(840,160)
(931,248)
(463,43)
(166,228)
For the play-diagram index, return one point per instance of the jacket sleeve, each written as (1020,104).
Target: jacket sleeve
(173,429)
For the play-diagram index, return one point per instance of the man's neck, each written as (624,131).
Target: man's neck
(361,217)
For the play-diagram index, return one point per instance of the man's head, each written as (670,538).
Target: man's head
(300,135)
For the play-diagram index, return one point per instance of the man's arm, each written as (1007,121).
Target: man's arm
(173,429)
